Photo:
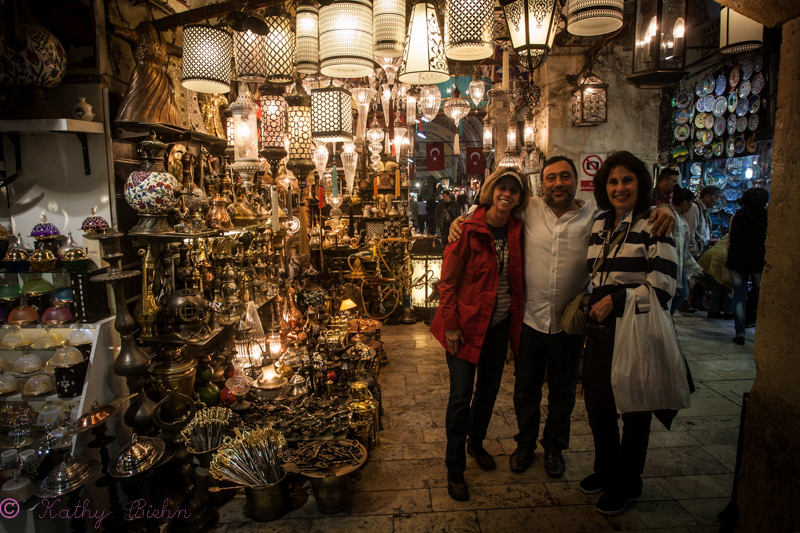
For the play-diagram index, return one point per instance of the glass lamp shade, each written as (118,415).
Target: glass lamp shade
(345,39)
(456,107)
(251,56)
(386,105)
(430,100)
(508,161)
(245,142)
(273,120)
(389,66)
(468,26)
(424,61)
(400,132)
(589,102)
(529,131)
(349,161)
(532,25)
(389,27)
(511,136)
(375,133)
(487,134)
(280,52)
(298,125)
(331,114)
(363,98)
(307,38)
(477,88)
(737,33)
(594,17)
(206,59)
(320,158)
(411,110)
(658,54)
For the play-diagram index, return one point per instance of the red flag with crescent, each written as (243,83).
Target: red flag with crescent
(434,159)
(475,161)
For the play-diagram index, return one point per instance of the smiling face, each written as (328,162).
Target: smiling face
(560,185)
(506,195)
(623,190)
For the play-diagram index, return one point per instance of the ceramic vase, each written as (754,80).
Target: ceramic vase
(83,110)
(151,191)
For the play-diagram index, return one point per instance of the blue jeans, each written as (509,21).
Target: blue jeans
(740,297)
(720,300)
(681,295)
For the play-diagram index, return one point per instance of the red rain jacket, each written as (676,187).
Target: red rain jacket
(468,285)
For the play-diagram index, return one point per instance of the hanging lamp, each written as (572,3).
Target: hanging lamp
(349,158)
(245,142)
(456,108)
(737,33)
(658,52)
(468,26)
(320,158)
(331,115)
(594,17)
(363,97)
(389,27)
(206,59)
(298,128)
(345,39)
(273,125)
(423,60)
(488,145)
(307,37)
(477,88)
(250,56)
(430,100)
(589,102)
(411,108)
(532,25)
(280,44)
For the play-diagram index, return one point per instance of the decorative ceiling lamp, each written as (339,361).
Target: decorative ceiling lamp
(273,125)
(320,158)
(487,134)
(331,115)
(206,59)
(594,17)
(532,25)
(349,160)
(386,105)
(280,46)
(363,98)
(529,132)
(345,39)
(245,142)
(250,56)
(400,133)
(411,108)
(424,61)
(389,26)
(468,28)
(307,37)
(477,88)
(658,58)
(737,33)
(456,108)
(298,127)
(430,99)
(375,138)
(589,102)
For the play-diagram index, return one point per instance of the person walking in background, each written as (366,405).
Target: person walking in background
(698,218)
(747,239)
(666,183)
(430,217)
(480,312)
(687,266)
(413,213)
(463,208)
(422,214)
(446,212)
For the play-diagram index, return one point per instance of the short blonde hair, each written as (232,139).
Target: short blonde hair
(487,189)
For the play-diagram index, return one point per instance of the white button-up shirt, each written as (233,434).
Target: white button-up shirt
(555,260)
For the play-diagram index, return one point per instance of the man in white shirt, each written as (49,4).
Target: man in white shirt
(556,240)
(698,218)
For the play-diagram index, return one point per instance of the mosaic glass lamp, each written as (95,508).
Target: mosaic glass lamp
(307,38)
(331,114)
(468,26)
(345,39)
(206,59)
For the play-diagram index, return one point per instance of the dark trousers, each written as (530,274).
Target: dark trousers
(619,463)
(472,420)
(558,355)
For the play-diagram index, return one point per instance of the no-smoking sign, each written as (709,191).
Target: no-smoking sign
(590,164)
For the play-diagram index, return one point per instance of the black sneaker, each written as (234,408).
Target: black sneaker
(592,484)
(613,503)
(738,340)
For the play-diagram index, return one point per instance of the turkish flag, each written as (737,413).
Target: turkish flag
(434,156)
(475,160)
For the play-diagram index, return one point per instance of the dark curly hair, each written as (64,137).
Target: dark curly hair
(635,165)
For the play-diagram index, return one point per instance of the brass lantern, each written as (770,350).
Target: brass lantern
(658,58)
(532,25)
(589,102)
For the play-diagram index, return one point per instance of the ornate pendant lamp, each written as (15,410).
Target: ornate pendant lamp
(468,26)
(389,66)
(307,37)
(456,108)
(331,115)
(529,131)
(320,158)
(411,109)
(658,58)
(594,17)
(532,25)
(386,105)
(349,161)
(487,135)
(589,102)
(206,59)
(477,88)
(430,100)
(250,53)
(280,46)
(245,142)
(298,127)
(273,125)
(737,33)
(363,98)
(424,61)
(389,26)
(400,133)
(345,39)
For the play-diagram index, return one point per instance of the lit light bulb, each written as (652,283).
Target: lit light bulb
(679,28)
(748,173)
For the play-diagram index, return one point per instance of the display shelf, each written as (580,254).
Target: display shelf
(50,125)
(136,131)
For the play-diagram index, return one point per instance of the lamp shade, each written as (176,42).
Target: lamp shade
(363,98)
(389,27)
(429,101)
(349,161)
(532,26)
(594,17)
(737,33)
(280,50)
(529,131)
(250,53)
(345,39)
(273,118)
(468,28)
(331,114)
(589,102)
(307,38)
(487,134)
(206,59)
(245,140)
(424,61)
(477,88)
(298,124)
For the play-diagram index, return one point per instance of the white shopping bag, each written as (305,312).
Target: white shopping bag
(647,371)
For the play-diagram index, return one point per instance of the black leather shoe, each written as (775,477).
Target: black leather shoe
(553,463)
(520,460)
(592,484)
(739,340)
(457,491)
(482,457)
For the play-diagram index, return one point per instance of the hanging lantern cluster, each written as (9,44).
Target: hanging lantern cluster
(589,102)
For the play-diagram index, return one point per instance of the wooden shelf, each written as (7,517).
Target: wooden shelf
(50,125)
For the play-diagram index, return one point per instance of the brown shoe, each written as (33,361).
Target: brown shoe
(457,491)
(482,457)
(520,460)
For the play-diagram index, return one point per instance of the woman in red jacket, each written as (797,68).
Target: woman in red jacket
(480,310)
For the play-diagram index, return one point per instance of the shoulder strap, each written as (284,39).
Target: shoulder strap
(614,244)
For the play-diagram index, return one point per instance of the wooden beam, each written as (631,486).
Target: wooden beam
(208,12)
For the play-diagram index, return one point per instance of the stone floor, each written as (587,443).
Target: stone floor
(688,476)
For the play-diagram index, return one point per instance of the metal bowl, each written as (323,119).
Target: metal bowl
(138,456)
(71,474)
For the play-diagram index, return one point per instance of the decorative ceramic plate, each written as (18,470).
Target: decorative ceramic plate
(699,148)
(682,116)
(710,103)
(719,90)
(708,85)
(732,193)
(717,147)
(683,99)
(699,105)
(706,136)
(739,144)
(742,107)
(733,99)
(682,132)
(755,103)
(751,144)
(731,124)
(680,153)
(709,122)
(715,178)
(747,70)
(741,124)
(733,77)
(744,89)
(719,126)
(709,154)
(729,149)
(699,90)
(700,120)
(720,106)
(752,123)
(758,63)
(696,169)
(758,84)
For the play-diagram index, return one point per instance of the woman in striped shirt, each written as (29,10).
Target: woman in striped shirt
(642,260)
